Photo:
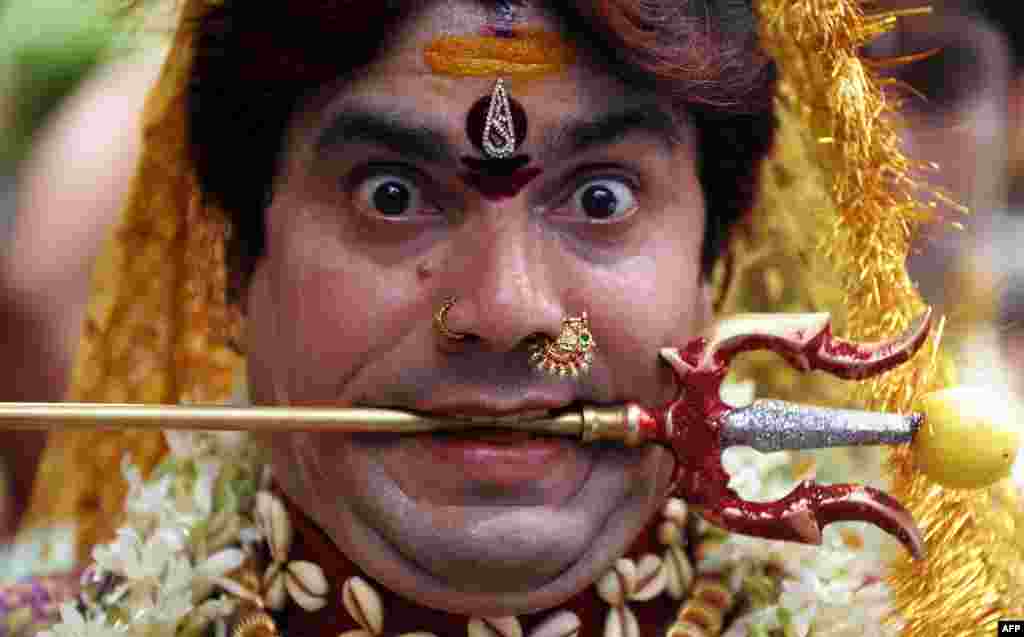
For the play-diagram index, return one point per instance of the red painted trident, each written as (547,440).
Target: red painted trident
(696,425)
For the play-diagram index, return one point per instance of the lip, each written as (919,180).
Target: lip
(505,463)
(471,407)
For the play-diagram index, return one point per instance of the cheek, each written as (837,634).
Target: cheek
(649,297)
(328,311)
(662,299)
(646,302)
(654,291)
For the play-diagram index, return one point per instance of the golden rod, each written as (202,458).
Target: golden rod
(767,425)
(329,419)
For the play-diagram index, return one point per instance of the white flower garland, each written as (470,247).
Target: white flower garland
(186,529)
(835,589)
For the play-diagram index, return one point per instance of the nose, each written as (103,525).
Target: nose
(504,289)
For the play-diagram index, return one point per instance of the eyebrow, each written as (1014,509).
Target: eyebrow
(579,136)
(356,125)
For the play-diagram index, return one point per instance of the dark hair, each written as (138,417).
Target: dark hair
(256,60)
(1004,16)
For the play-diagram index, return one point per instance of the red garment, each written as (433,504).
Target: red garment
(33,605)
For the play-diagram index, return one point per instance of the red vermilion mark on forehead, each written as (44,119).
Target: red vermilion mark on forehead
(496,188)
(516,52)
(497,179)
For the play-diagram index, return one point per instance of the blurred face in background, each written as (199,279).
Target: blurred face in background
(961,120)
(970,124)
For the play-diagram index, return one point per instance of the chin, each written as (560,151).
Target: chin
(490,592)
(479,558)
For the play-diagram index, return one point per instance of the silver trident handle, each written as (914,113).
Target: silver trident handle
(776,425)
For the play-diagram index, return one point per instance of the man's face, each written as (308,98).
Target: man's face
(375,222)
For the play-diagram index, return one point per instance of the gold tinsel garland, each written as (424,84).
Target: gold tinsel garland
(154,326)
(776,265)
(973,575)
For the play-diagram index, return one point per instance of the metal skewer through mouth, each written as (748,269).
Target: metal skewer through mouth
(765,425)
(93,416)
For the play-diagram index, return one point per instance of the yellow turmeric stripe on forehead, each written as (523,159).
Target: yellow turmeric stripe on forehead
(529,54)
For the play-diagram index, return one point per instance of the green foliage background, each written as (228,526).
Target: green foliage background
(47,47)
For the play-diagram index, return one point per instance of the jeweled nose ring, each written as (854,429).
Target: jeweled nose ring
(570,354)
(441,321)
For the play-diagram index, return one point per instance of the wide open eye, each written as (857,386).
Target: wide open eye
(389,195)
(604,199)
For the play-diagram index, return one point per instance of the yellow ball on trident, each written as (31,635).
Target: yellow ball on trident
(969,438)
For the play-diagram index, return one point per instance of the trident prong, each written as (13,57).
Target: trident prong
(697,424)
(807,343)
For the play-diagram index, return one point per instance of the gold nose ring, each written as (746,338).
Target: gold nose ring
(441,321)
(571,354)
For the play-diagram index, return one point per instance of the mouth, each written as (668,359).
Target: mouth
(494,451)
(500,429)
(510,425)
